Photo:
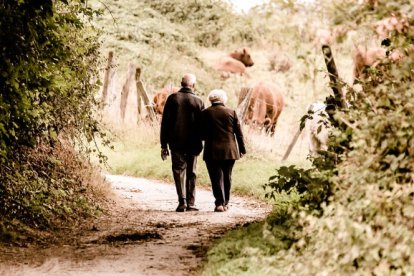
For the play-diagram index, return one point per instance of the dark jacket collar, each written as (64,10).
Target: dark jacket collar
(186,90)
(217,103)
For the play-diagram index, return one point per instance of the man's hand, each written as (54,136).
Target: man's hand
(164,154)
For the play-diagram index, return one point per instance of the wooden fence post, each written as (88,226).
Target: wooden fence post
(336,86)
(108,75)
(335,83)
(125,89)
(142,94)
(292,144)
(244,100)
(139,98)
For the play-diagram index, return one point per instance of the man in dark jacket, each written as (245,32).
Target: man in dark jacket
(224,144)
(179,125)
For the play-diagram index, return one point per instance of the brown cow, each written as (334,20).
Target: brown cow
(385,27)
(234,63)
(279,63)
(370,57)
(366,57)
(161,96)
(266,104)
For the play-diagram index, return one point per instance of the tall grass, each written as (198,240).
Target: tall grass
(136,152)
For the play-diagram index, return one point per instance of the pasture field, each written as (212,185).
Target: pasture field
(137,143)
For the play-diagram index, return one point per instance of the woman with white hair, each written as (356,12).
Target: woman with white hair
(223,145)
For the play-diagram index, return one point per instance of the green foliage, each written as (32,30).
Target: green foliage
(366,227)
(48,63)
(212,21)
(46,188)
(248,249)
(49,60)
(312,188)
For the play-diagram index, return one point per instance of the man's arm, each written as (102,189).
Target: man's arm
(165,124)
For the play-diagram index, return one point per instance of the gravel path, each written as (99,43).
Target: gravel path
(143,235)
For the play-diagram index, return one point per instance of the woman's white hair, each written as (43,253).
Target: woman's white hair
(217,95)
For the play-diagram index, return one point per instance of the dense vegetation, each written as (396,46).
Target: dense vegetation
(49,61)
(355,212)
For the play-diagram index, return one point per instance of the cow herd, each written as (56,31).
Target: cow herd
(266,101)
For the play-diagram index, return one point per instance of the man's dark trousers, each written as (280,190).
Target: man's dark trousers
(220,175)
(184,172)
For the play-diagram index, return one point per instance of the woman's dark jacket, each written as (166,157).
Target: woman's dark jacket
(221,131)
(180,121)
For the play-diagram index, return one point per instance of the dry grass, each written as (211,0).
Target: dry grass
(298,95)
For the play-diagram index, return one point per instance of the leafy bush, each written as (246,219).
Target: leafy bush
(213,21)
(314,190)
(47,188)
(48,65)
(49,62)
(367,225)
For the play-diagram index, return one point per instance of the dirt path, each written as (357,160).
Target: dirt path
(143,235)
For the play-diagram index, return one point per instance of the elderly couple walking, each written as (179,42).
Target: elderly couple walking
(185,124)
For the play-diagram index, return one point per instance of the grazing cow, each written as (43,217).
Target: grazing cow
(161,96)
(366,57)
(370,57)
(329,36)
(279,63)
(265,105)
(385,27)
(317,127)
(234,63)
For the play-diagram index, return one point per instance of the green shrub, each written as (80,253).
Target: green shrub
(366,227)
(47,66)
(49,61)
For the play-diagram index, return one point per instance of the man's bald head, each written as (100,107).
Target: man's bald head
(188,80)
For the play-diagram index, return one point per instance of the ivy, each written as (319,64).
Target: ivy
(48,58)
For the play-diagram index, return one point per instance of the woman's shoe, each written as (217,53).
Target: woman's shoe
(180,208)
(219,208)
(192,208)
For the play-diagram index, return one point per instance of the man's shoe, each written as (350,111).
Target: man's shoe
(192,208)
(219,208)
(180,208)
(226,207)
